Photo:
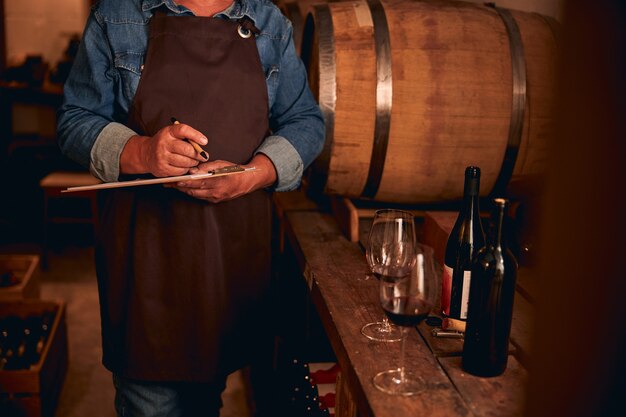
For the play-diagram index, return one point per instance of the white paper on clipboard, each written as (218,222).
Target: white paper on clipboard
(228,170)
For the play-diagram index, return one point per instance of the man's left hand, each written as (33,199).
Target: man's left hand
(228,187)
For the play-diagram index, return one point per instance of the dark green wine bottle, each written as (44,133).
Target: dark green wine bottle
(465,239)
(490,310)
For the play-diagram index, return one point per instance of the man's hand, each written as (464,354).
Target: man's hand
(164,154)
(228,187)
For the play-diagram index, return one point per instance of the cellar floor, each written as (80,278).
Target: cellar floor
(88,388)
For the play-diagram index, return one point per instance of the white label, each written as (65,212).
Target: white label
(467,275)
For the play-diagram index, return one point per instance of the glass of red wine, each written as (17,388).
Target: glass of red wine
(406,302)
(390,253)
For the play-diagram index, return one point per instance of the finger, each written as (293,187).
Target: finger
(203,194)
(196,193)
(192,136)
(204,154)
(175,171)
(210,166)
(181,161)
(197,184)
(183,131)
(184,148)
(213,183)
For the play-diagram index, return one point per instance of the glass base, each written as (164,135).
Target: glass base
(379,332)
(390,382)
(365,277)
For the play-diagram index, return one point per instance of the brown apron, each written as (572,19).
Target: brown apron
(183,282)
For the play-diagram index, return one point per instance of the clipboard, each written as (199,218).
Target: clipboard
(220,172)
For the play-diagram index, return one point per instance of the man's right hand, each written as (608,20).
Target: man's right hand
(164,154)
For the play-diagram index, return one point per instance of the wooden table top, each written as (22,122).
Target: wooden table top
(332,266)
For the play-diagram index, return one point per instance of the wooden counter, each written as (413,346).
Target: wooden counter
(332,266)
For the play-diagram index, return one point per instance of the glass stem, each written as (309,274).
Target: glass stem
(386,327)
(401,365)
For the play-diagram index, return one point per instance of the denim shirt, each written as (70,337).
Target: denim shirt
(104,78)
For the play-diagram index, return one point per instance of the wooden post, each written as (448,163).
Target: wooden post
(344,404)
(579,359)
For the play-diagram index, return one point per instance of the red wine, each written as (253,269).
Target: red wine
(465,239)
(406,311)
(392,275)
(485,349)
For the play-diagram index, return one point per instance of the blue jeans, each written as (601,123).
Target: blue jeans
(167,399)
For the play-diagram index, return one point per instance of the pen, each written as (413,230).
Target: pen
(194,144)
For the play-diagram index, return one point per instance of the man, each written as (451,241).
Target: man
(183,271)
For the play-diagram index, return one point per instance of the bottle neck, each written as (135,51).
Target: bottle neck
(472,187)
(498,222)
(470,196)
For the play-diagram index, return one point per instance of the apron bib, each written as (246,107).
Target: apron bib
(183,283)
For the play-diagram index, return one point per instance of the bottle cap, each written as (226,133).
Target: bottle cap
(472,171)
(500,202)
(472,181)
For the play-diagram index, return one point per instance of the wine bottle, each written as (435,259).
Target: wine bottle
(465,239)
(494,270)
(33,335)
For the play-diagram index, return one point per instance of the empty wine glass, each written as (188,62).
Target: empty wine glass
(406,302)
(390,253)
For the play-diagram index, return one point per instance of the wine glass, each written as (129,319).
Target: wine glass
(390,252)
(407,301)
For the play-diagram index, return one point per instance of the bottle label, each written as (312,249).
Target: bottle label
(446,289)
(446,293)
(467,276)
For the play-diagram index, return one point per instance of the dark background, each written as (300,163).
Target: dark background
(582,305)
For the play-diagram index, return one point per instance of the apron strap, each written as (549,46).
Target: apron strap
(246,27)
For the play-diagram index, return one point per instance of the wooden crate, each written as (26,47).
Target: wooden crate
(350,214)
(34,392)
(437,228)
(26,269)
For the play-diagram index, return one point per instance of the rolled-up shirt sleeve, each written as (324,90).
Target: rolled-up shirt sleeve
(286,160)
(85,120)
(106,151)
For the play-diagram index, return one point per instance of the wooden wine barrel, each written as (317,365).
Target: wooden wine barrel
(296,11)
(415,91)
